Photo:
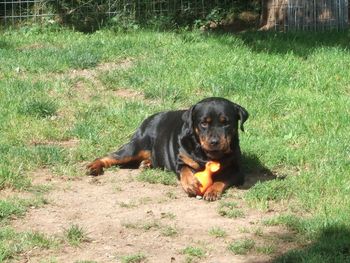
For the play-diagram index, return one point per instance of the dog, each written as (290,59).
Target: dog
(183,141)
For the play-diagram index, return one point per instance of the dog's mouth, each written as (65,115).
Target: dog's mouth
(215,151)
(214,154)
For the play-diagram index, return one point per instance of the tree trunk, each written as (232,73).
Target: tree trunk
(272,15)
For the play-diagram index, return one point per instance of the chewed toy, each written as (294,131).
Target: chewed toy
(205,177)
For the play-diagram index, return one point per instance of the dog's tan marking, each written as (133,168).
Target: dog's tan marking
(189,161)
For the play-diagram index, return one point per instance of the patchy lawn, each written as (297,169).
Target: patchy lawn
(67,98)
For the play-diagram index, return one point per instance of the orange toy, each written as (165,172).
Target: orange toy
(205,177)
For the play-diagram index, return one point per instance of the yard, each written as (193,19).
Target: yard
(68,97)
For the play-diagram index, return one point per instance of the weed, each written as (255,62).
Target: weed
(75,235)
(244,230)
(127,205)
(217,232)
(229,209)
(146,226)
(241,247)
(169,231)
(150,225)
(193,252)
(168,215)
(135,258)
(258,231)
(131,225)
(49,260)
(171,195)
(266,249)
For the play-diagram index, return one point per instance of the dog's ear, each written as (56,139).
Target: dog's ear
(242,115)
(187,117)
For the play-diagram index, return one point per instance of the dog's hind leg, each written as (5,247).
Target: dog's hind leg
(137,151)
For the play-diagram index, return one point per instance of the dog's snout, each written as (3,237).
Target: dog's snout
(214,141)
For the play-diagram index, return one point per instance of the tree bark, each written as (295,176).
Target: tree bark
(272,14)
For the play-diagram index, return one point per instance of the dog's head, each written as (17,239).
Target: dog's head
(214,123)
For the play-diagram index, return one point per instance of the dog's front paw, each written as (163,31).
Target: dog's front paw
(212,193)
(190,184)
(95,168)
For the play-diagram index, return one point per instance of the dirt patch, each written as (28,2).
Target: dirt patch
(129,93)
(91,74)
(123,216)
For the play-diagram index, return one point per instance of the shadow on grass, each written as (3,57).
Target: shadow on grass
(4,45)
(301,44)
(331,245)
(255,171)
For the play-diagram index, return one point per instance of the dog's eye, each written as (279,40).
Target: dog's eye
(224,121)
(204,124)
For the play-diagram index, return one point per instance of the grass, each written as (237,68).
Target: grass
(241,247)
(169,231)
(217,232)
(143,225)
(134,258)
(75,235)
(295,87)
(12,242)
(229,209)
(157,176)
(266,249)
(15,207)
(193,253)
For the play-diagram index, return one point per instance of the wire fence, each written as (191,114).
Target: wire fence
(13,11)
(16,11)
(317,15)
(87,15)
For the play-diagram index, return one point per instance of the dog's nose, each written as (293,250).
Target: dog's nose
(214,141)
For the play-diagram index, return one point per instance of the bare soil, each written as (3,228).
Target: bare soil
(123,216)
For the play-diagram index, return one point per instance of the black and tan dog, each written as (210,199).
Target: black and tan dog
(183,141)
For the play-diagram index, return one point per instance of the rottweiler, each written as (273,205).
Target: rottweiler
(183,141)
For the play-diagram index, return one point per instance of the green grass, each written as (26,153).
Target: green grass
(38,108)
(331,245)
(295,87)
(193,254)
(157,176)
(75,235)
(266,249)
(143,225)
(217,232)
(169,231)
(13,242)
(241,247)
(15,207)
(229,209)
(134,258)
